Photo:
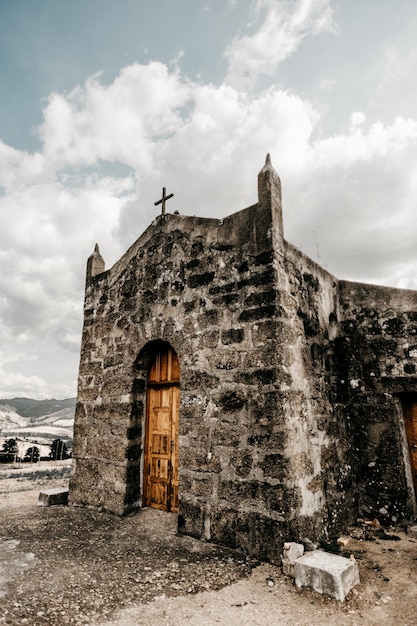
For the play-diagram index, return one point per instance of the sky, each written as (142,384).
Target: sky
(103,103)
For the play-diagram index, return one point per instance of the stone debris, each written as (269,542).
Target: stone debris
(343,541)
(326,573)
(292,552)
(51,497)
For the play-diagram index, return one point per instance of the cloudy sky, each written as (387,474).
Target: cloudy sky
(103,103)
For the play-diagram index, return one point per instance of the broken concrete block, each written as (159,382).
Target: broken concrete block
(292,551)
(50,497)
(326,573)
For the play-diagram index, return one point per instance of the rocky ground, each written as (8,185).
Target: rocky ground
(66,565)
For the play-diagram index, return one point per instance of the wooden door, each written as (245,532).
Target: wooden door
(161,440)
(410,418)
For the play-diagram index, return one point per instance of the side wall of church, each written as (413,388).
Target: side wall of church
(376,356)
(318,445)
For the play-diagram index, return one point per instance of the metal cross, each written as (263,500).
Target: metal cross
(164,199)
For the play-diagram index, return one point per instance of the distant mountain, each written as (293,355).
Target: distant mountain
(26,407)
(37,421)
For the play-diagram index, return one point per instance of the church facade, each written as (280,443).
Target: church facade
(226,376)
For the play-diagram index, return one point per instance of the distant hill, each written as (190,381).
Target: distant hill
(37,421)
(26,407)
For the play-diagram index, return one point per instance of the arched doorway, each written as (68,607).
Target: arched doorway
(160,469)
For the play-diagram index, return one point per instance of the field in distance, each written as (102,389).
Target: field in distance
(36,423)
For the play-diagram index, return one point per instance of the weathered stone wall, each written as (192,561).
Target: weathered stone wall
(317,445)
(376,360)
(290,415)
(208,288)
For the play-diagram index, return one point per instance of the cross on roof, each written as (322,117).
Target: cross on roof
(164,199)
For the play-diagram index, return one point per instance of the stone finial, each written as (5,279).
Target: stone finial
(95,263)
(269,193)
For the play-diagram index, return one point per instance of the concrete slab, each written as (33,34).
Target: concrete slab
(326,573)
(50,497)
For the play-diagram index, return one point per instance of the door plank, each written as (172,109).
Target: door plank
(160,485)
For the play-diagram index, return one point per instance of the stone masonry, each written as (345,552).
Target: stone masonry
(291,381)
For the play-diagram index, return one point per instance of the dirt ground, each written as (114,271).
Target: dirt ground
(67,565)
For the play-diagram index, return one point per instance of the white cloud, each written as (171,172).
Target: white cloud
(399,69)
(355,194)
(357,118)
(115,122)
(108,149)
(285,24)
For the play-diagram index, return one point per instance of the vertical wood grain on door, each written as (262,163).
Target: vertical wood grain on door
(161,442)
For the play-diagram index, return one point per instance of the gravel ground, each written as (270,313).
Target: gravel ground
(67,565)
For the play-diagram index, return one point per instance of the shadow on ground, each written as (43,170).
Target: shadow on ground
(68,565)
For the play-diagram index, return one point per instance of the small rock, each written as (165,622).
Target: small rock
(343,540)
(308,544)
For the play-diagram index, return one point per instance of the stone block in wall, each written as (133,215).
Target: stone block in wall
(262,332)
(223,526)
(261,535)
(232,336)
(110,448)
(80,439)
(260,358)
(199,459)
(190,518)
(256,377)
(200,280)
(199,379)
(274,497)
(88,395)
(209,339)
(301,464)
(227,434)
(209,319)
(266,409)
(99,484)
(202,485)
(260,298)
(242,462)
(232,400)
(224,361)
(257,279)
(115,384)
(239,492)
(229,300)
(193,407)
(267,437)
(275,466)
(259,313)
(112,360)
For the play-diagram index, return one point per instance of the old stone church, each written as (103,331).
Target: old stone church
(227,377)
